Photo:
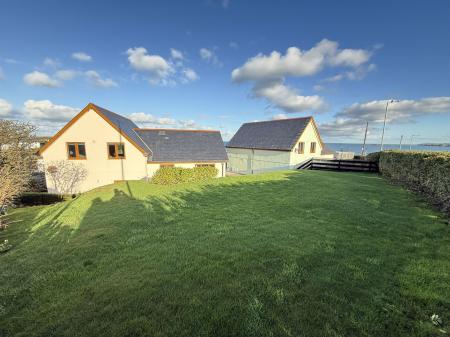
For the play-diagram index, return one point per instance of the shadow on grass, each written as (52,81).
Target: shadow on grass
(309,254)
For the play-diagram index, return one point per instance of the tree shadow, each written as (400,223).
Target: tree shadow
(289,255)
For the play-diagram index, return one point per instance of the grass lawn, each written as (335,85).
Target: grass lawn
(282,254)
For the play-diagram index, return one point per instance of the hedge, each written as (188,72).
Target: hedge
(176,175)
(425,172)
(39,198)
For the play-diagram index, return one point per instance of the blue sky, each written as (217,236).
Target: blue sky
(217,64)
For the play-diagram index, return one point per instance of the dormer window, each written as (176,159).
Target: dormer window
(116,150)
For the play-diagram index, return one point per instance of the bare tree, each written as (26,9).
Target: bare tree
(65,175)
(17,159)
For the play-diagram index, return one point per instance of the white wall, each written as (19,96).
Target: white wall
(308,136)
(95,132)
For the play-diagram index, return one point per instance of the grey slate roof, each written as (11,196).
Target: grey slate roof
(170,145)
(125,125)
(270,135)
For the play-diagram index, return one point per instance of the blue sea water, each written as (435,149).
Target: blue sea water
(356,148)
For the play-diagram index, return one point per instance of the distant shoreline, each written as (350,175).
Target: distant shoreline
(435,144)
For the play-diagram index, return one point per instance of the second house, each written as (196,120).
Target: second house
(111,148)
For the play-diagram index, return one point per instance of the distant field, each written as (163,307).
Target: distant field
(282,254)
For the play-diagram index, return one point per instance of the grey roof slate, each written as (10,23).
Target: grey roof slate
(125,125)
(184,145)
(270,135)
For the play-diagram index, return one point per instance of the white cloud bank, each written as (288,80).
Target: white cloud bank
(47,111)
(268,72)
(148,120)
(351,121)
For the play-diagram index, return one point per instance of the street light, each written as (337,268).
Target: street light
(410,141)
(384,124)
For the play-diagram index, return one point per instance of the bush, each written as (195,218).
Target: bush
(425,172)
(39,198)
(176,175)
(374,156)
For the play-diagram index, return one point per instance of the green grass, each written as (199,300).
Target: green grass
(282,254)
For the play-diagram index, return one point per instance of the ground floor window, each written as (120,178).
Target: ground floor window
(167,165)
(204,165)
(76,151)
(116,150)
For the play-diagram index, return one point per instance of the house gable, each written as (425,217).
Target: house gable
(102,113)
(311,127)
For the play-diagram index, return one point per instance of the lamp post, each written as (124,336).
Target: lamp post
(384,124)
(410,141)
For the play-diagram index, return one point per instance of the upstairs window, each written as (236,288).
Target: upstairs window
(301,148)
(313,147)
(76,151)
(116,150)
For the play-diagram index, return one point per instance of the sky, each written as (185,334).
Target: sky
(215,64)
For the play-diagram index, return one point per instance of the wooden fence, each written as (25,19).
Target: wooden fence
(339,165)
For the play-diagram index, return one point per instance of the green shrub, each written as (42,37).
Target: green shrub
(176,175)
(374,156)
(425,172)
(39,198)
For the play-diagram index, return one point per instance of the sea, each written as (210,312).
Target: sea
(356,148)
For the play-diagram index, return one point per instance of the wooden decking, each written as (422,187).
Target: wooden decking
(339,165)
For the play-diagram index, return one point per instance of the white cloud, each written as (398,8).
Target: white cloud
(66,74)
(318,87)
(334,78)
(268,72)
(299,63)
(286,98)
(351,120)
(12,61)
(233,45)
(48,111)
(280,116)
(95,79)
(190,75)
(210,56)
(81,56)
(154,65)
(176,54)
(6,108)
(40,79)
(52,63)
(159,71)
(148,120)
